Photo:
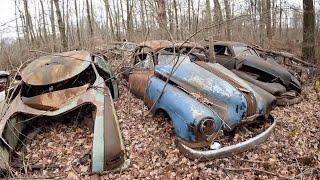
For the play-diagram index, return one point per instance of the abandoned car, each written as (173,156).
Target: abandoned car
(200,98)
(245,62)
(56,85)
(290,61)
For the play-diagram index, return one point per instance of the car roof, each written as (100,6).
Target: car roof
(55,68)
(156,45)
(229,43)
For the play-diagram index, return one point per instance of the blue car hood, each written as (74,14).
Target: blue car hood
(228,102)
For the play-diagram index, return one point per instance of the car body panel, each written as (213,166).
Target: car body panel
(53,69)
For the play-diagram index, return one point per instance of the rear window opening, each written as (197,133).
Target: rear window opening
(87,76)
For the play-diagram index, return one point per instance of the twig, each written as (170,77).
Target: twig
(301,172)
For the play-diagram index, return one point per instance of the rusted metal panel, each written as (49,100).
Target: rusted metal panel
(53,100)
(138,82)
(251,108)
(55,68)
(156,45)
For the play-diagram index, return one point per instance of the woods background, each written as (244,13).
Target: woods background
(58,25)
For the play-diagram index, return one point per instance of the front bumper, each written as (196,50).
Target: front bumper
(288,101)
(228,150)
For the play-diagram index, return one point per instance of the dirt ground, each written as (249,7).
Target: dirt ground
(292,152)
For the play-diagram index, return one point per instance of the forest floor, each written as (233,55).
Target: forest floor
(292,151)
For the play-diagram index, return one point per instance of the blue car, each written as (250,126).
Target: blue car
(200,98)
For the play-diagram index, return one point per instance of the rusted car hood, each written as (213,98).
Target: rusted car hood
(228,101)
(273,69)
(55,68)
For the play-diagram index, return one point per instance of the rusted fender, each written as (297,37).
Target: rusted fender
(228,150)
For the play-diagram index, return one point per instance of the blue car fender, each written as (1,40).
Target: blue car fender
(185,112)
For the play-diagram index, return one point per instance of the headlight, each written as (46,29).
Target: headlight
(206,126)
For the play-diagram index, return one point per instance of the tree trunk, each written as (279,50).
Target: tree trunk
(142,15)
(28,25)
(63,37)
(89,19)
(228,17)
(308,45)
(280,21)
(129,20)
(77,24)
(218,15)
(176,18)
(162,16)
(262,10)
(189,15)
(268,19)
(208,16)
(44,22)
(53,27)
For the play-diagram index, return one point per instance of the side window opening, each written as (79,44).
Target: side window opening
(144,58)
(222,50)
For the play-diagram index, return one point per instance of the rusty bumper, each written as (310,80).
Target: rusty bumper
(228,150)
(289,100)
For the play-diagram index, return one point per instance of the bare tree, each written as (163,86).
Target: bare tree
(89,18)
(162,16)
(53,27)
(268,19)
(44,22)
(218,15)
(308,46)
(63,37)
(228,17)
(28,24)
(77,23)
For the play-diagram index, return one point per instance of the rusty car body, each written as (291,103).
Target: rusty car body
(244,61)
(200,98)
(55,85)
(290,61)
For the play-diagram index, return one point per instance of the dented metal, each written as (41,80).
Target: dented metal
(55,85)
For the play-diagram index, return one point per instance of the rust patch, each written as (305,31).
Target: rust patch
(138,82)
(252,104)
(55,68)
(53,100)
